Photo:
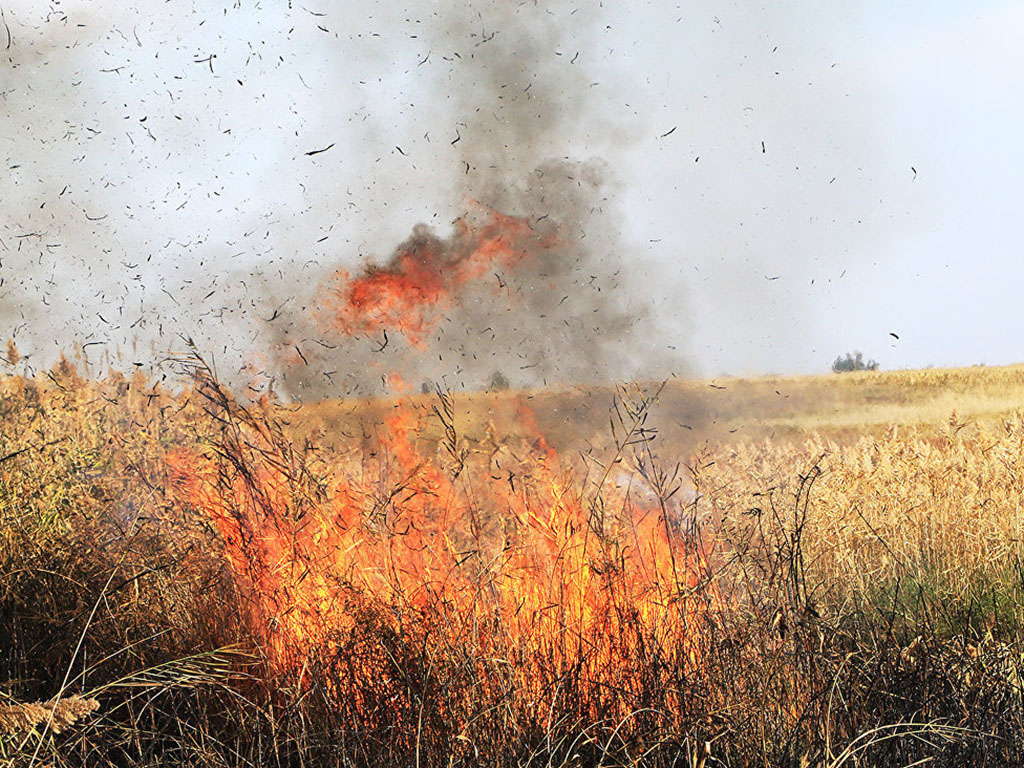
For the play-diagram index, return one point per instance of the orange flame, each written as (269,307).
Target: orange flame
(425,276)
(518,566)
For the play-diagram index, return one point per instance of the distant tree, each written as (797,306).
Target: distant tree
(499,382)
(853,362)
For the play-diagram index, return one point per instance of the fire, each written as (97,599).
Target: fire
(517,571)
(426,275)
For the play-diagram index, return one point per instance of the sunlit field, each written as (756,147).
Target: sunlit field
(778,571)
(415,385)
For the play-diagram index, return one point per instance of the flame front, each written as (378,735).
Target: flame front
(512,572)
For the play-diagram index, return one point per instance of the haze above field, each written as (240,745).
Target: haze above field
(771,186)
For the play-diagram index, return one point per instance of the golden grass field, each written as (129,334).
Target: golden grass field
(776,571)
(730,410)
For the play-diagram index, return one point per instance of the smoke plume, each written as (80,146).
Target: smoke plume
(532,283)
(214,177)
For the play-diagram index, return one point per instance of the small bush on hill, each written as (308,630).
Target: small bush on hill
(854,362)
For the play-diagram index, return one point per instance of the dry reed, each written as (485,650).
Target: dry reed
(57,714)
(859,598)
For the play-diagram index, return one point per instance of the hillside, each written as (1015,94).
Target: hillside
(688,413)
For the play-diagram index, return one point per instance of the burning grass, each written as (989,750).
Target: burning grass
(233,595)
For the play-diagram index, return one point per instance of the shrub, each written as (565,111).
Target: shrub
(854,362)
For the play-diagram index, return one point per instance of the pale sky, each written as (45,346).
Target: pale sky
(152,191)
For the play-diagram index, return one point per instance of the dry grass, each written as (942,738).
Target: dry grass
(57,715)
(830,589)
(840,407)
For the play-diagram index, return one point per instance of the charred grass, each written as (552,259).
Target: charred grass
(180,558)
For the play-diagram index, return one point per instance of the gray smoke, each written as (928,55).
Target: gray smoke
(202,170)
(163,183)
(525,140)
